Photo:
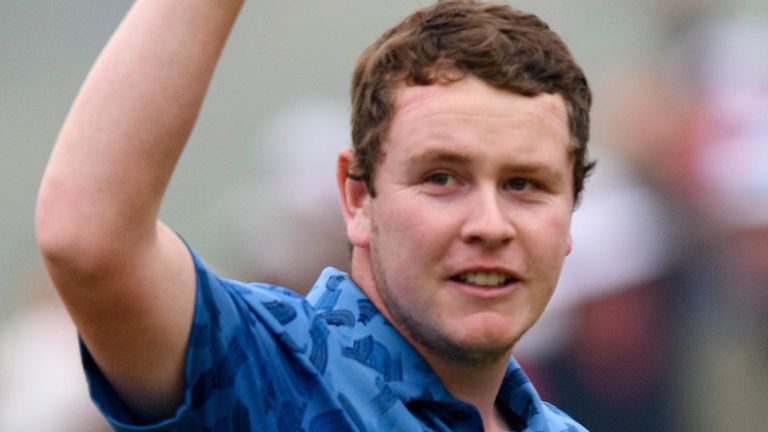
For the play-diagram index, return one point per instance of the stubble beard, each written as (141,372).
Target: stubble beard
(426,335)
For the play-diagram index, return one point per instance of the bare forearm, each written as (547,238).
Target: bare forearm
(135,111)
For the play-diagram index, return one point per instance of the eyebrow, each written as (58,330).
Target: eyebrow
(538,169)
(437,156)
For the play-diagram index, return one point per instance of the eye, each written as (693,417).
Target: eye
(439,179)
(518,184)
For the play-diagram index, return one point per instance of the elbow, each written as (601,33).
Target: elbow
(69,241)
(87,230)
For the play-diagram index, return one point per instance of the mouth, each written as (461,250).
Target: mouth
(486,279)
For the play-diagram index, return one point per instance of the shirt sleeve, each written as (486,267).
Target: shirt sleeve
(232,345)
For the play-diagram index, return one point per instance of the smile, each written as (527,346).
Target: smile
(485,279)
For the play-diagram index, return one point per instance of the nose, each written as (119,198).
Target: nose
(487,224)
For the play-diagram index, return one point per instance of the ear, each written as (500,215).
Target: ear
(569,244)
(355,201)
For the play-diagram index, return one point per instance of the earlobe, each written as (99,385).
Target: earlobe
(569,245)
(355,201)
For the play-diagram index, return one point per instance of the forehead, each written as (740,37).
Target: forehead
(474,96)
(472,116)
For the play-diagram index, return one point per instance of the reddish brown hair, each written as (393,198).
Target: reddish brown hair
(504,47)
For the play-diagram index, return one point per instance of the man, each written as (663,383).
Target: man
(469,131)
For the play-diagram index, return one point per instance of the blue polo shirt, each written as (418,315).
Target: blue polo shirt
(262,358)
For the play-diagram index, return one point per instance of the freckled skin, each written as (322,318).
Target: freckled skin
(472,177)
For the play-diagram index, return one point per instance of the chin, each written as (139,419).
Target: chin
(485,343)
(490,343)
(481,353)
(491,328)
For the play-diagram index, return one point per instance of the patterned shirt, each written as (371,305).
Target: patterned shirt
(262,358)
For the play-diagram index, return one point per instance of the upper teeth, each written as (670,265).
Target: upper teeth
(484,278)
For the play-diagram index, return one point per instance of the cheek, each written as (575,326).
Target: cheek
(558,225)
(396,236)
(552,237)
(413,222)
(413,237)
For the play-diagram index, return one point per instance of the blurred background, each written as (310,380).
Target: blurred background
(661,319)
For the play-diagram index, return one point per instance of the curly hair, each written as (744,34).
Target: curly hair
(449,40)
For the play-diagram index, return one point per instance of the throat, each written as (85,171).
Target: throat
(476,385)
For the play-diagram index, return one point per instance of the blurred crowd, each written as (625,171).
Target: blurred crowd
(660,322)
(676,246)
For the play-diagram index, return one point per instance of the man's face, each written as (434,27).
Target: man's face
(465,239)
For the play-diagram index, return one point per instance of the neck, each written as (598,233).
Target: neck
(475,385)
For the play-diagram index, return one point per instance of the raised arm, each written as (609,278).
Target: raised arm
(126,279)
